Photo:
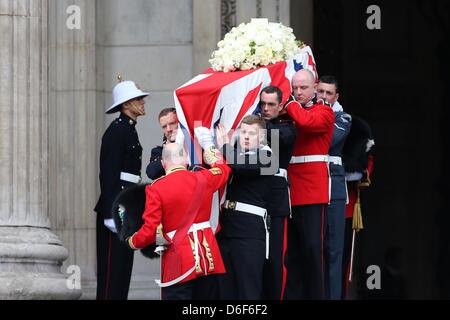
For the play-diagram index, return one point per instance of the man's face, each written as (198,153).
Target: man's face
(169,125)
(303,87)
(136,106)
(250,136)
(327,91)
(270,107)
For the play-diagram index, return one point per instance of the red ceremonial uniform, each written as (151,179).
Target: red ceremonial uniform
(168,201)
(310,180)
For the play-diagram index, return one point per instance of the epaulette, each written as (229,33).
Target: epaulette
(346,117)
(216,171)
(154,181)
(212,155)
(324,102)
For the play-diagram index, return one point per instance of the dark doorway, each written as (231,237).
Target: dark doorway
(397,79)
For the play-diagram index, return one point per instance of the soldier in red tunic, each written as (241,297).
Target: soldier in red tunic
(192,251)
(310,189)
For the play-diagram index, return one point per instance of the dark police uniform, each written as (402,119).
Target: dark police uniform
(120,167)
(243,235)
(281,134)
(155,169)
(335,212)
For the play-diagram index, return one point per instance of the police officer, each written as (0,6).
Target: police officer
(193,255)
(308,174)
(243,238)
(281,134)
(169,124)
(328,90)
(120,167)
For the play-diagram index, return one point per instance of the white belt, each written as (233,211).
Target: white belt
(282,173)
(305,159)
(335,160)
(244,207)
(249,208)
(125,176)
(194,228)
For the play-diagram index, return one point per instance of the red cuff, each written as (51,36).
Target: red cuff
(130,242)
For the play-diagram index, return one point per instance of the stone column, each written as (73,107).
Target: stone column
(30,254)
(75,129)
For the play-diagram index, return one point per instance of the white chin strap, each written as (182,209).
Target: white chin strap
(137,109)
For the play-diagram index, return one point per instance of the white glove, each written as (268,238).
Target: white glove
(180,136)
(160,240)
(204,137)
(109,223)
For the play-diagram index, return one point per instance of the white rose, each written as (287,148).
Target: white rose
(254,44)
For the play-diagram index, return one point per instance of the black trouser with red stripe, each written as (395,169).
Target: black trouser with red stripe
(114,264)
(305,255)
(274,268)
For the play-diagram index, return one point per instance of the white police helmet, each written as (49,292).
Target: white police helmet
(124,91)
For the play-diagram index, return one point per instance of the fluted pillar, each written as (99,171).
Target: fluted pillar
(31,255)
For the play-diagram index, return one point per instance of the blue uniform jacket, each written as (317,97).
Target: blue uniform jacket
(342,125)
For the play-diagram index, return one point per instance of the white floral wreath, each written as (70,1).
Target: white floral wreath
(255,44)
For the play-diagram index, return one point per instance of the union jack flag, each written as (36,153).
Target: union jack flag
(227,97)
